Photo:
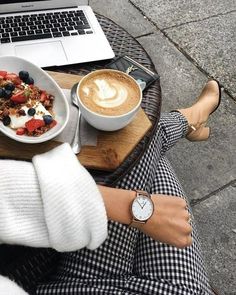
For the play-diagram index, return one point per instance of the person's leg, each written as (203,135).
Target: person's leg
(172,127)
(110,266)
(163,269)
(25,265)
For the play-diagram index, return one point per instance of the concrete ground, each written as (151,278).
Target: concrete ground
(190,41)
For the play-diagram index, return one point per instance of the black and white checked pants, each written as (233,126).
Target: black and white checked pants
(129,262)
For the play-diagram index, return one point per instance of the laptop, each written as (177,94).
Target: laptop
(52,32)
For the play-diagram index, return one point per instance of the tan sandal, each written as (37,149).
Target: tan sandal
(198,114)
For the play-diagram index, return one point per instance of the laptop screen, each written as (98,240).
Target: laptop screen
(8,6)
(17,1)
(15,6)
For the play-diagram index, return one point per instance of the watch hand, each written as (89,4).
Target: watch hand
(139,204)
(144,205)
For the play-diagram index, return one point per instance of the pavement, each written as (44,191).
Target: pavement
(190,41)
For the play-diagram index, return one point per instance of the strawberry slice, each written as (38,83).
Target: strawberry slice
(33,124)
(43,96)
(19,97)
(3,74)
(14,78)
(20,131)
(54,123)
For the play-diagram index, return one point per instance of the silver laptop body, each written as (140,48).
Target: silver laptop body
(64,34)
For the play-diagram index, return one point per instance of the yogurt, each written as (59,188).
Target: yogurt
(19,121)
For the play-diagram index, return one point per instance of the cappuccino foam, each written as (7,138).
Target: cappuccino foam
(109,93)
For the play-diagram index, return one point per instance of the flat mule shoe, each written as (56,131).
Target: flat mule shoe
(198,114)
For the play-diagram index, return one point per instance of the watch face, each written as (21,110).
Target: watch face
(142,208)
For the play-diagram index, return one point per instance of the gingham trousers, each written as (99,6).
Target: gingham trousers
(129,262)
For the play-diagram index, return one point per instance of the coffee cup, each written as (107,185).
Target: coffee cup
(108,99)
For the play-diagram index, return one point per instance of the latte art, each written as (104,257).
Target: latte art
(106,94)
(109,93)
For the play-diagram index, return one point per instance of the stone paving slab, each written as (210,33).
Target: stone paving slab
(175,12)
(212,44)
(216,222)
(123,13)
(202,167)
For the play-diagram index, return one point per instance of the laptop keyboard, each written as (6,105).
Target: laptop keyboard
(43,25)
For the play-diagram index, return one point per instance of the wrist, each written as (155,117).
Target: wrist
(118,203)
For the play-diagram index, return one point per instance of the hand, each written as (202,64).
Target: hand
(170,221)
(168,224)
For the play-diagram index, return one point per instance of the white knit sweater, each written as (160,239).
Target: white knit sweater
(51,202)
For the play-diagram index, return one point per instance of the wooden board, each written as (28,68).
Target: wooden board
(112,147)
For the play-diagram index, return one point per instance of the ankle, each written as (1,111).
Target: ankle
(187,113)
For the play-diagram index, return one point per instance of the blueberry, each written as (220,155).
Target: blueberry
(6,120)
(29,81)
(31,112)
(10,86)
(2,92)
(47,119)
(24,75)
(8,93)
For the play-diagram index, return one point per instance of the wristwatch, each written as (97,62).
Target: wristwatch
(142,208)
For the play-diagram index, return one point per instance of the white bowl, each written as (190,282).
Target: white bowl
(104,122)
(43,81)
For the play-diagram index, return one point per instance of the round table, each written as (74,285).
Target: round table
(124,44)
(16,260)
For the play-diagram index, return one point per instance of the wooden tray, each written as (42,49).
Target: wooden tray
(112,147)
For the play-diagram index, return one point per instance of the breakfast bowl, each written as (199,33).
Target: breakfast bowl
(59,112)
(109,99)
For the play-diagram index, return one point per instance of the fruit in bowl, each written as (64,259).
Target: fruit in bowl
(33,108)
(25,107)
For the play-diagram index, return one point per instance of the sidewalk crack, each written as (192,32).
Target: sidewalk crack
(193,61)
(198,201)
(198,20)
(144,35)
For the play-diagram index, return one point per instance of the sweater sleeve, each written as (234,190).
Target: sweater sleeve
(73,208)
(52,203)
(22,219)
(8,287)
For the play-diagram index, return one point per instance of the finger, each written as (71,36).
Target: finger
(184,242)
(182,203)
(189,241)
(186,215)
(189,218)
(188,229)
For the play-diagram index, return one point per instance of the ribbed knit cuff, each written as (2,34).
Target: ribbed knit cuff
(21,210)
(8,287)
(74,211)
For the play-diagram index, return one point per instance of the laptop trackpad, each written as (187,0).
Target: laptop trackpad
(42,53)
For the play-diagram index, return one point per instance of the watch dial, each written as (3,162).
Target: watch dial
(142,208)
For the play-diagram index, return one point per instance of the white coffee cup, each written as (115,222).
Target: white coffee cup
(109,122)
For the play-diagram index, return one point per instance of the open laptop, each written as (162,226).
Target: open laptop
(52,32)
